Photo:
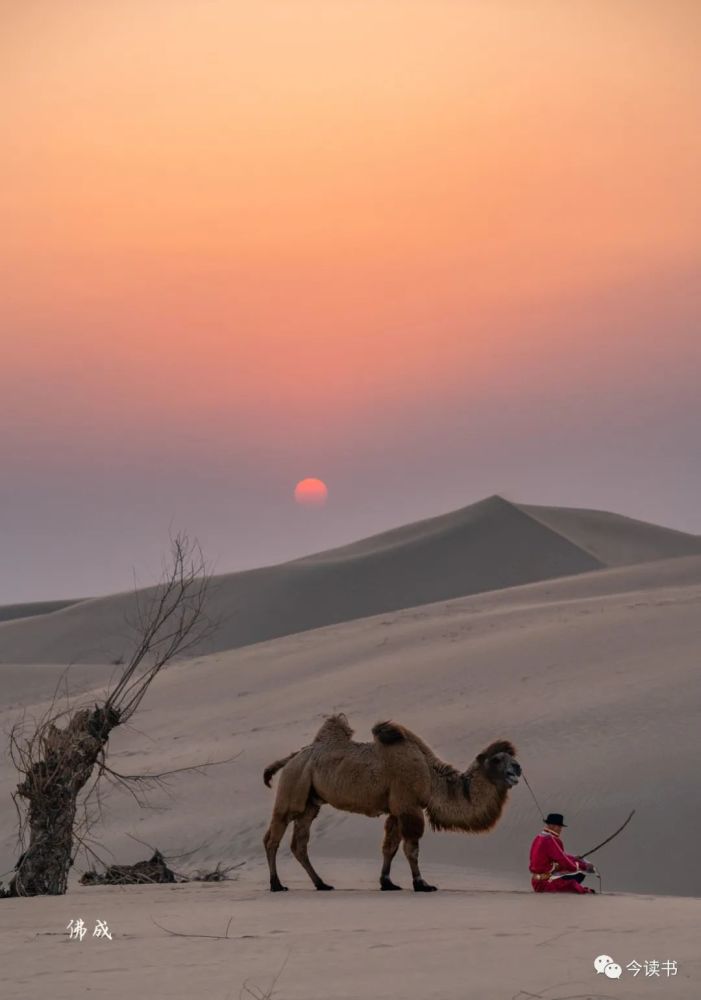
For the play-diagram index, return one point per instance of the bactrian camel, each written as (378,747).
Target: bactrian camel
(396,775)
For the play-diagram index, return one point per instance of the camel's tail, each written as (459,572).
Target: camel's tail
(272,769)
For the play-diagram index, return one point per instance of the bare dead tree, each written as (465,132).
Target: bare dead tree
(62,755)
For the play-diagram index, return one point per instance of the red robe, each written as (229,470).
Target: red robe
(548,855)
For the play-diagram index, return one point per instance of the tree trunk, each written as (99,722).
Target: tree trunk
(63,763)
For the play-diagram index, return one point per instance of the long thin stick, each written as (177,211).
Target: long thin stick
(609,839)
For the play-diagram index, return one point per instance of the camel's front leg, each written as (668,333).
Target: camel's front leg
(390,846)
(412,828)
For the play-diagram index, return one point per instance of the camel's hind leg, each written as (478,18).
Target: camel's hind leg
(412,828)
(390,846)
(271,840)
(300,839)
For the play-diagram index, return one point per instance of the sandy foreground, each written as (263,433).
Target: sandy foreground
(354,943)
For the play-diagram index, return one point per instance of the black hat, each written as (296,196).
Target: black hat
(555,819)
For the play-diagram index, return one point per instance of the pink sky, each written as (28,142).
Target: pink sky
(422,249)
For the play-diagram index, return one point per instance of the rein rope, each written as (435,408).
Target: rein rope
(541,814)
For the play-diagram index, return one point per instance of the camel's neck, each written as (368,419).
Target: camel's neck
(467,801)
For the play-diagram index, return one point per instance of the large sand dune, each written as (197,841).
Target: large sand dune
(488,546)
(593,677)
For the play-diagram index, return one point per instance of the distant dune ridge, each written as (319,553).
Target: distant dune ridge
(490,545)
(11,612)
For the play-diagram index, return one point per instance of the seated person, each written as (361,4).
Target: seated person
(553,870)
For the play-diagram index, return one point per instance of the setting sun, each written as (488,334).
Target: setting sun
(311,492)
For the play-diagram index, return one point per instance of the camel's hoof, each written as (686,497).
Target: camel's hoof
(387,885)
(421,886)
(323,887)
(278,887)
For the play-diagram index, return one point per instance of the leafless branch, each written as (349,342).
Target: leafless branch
(171,620)
(199,768)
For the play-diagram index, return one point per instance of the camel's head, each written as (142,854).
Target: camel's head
(500,765)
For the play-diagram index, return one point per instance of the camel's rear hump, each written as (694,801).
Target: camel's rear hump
(388,733)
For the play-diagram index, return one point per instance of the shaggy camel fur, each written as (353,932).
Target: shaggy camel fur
(398,775)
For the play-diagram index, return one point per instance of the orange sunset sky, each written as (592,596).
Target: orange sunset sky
(426,250)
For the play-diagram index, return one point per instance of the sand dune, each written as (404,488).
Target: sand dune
(593,677)
(488,546)
(613,539)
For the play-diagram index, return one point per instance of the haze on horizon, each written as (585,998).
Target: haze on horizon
(423,250)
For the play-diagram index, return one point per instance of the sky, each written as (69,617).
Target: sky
(424,250)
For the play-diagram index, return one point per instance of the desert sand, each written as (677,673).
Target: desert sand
(592,674)
(487,546)
(357,944)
